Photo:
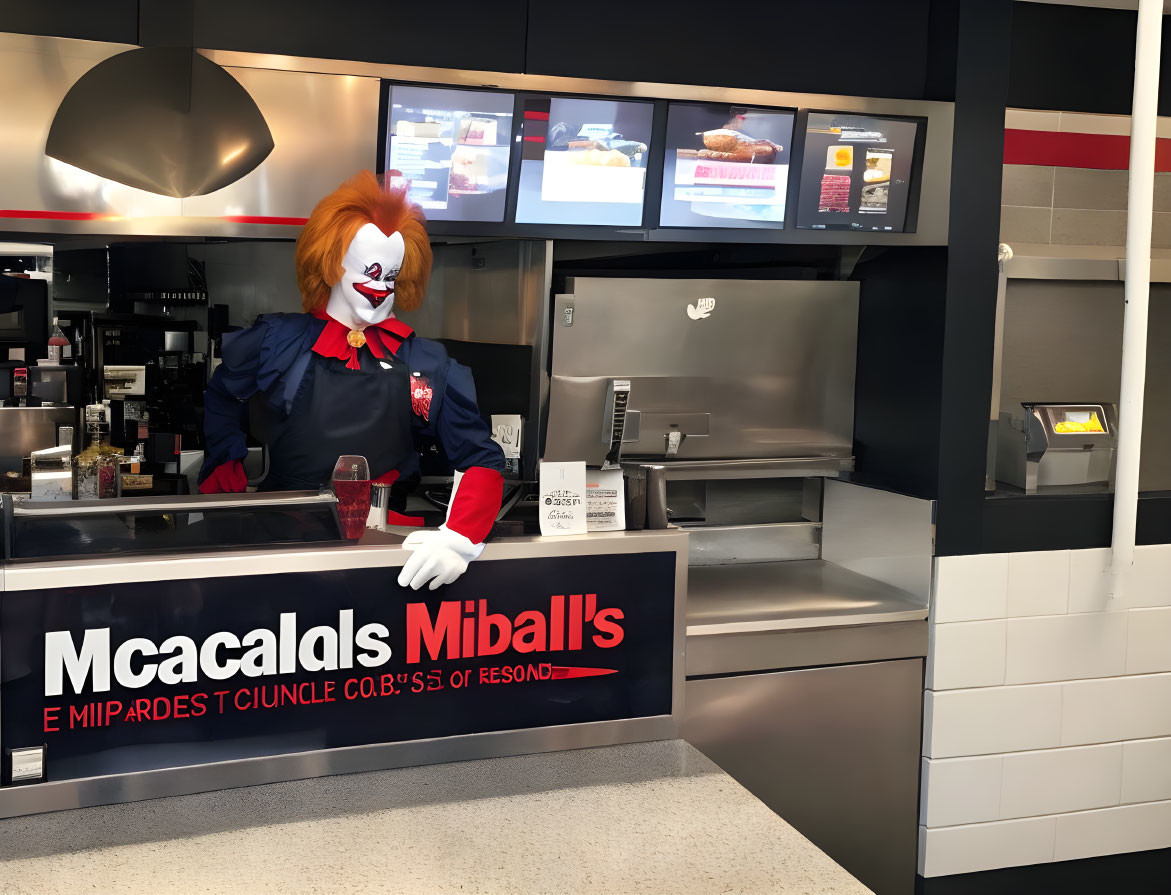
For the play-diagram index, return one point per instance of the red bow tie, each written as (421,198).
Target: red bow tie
(381,338)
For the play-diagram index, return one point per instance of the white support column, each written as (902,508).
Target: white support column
(1139,204)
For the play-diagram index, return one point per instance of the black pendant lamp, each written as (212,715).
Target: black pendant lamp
(163,119)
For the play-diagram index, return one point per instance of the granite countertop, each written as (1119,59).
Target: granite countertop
(650,817)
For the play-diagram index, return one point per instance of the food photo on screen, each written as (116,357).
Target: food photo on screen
(725,166)
(583,161)
(876,182)
(856,172)
(451,149)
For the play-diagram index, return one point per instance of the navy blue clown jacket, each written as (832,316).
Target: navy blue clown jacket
(275,357)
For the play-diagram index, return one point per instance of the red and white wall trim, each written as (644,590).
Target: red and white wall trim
(1065,177)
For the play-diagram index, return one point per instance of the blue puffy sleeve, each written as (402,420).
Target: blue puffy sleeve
(226,399)
(462,432)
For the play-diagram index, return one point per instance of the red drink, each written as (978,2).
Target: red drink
(353,506)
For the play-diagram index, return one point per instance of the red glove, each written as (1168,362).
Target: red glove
(227,478)
(476,503)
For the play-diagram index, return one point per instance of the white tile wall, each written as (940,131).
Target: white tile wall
(1057,780)
(1065,647)
(1146,770)
(1113,831)
(1150,583)
(1047,722)
(966,849)
(966,654)
(1148,642)
(970,587)
(960,791)
(1088,585)
(1112,709)
(994,719)
(1038,583)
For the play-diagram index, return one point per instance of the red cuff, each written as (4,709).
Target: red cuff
(476,504)
(227,478)
(393,518)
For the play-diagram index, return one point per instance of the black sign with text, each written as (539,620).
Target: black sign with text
(130,677)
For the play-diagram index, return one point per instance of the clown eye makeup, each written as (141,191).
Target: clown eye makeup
(390,275)
(374,271)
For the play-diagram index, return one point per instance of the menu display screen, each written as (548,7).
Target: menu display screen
(583,161)
(725,166)
(856,172)
(451,149)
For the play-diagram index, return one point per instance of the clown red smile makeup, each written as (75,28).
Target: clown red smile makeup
(372,294)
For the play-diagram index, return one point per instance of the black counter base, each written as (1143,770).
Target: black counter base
(1134,873)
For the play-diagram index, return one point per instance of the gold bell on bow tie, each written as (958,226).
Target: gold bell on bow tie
(355,338)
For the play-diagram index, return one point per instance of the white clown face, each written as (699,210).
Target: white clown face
(365,294)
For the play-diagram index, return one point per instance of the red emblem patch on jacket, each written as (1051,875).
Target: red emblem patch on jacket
(421,393)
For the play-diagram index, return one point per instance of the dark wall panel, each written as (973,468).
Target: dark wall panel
(846,47)
(1040,522)
(1072,58)
(942,32)
(900,48)
(110,20)
(973,235)
(896,396)
(1076,58)
(469,34)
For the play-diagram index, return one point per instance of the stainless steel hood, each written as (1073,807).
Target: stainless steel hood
(163,119)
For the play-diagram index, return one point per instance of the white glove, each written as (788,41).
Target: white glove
(439,556)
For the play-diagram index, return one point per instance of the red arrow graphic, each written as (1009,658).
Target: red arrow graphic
(560,672)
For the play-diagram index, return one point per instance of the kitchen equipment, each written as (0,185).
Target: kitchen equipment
(124,380)
(55,384)
(1049,446)
(24,315)
(27,429)
(709,369)
(52,474)
(379,506)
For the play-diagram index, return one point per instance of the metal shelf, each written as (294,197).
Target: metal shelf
(195,503)
(778,468)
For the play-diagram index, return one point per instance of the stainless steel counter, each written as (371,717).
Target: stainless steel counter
(804,682)
(786,595)
(736,615)
(375,550)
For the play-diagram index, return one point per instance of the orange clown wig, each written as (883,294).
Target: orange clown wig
(331,228)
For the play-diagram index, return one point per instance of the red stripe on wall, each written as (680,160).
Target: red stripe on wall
(32,214)
(1109,152)
(56,215)
(531,139)
(536,116)
(261,219)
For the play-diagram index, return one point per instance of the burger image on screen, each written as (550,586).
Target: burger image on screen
(725,144)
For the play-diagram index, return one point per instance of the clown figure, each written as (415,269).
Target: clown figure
(347,377)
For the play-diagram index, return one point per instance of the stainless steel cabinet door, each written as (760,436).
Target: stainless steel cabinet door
(834,751)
